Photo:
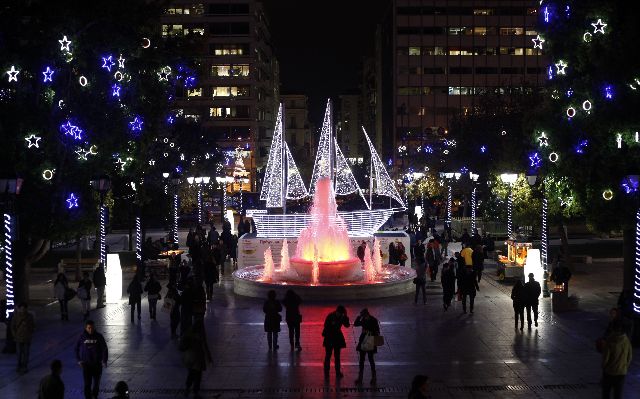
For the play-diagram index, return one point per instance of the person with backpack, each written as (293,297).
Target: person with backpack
(62,293)
(152,288)
(370,328)
(518,298)
(84,294)
(100,282)
(135,296)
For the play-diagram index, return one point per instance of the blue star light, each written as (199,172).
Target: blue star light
(483,149)
(136,124)
(535,160)
(48,75)
(107,63)
(72,201)
(630,184)
(115,90)
(608,92)
(581,146)
(71,130)
(170,119)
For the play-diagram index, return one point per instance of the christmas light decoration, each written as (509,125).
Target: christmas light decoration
(164,73)
(564,202)
(550,72)
(273,179)
(48,75)
(598,26)
(619,140)
(33,141)
(449,200)
(93,150)
(115,90)
(586,105)
(544,242)
(510,214)
(64,44)
(587,37)
(553,157)
(324,161)
(47,174)
(103,235)
(118,76)
(546,13)
(473,210)
(483,149)
(146,43)
(581,146)
(107,63)
(384,184)
(136,124)
(13,74)
(571,112)
(607,195)
(121,62)
(537,42)
(138,238)
(543,140)
(295,185)
(608,92)
(71,130)
(630,184)
(535,161)
(561,67)
(83,81)
(82,154)
(175,218)
(72,201)
(8,263)
(569,93)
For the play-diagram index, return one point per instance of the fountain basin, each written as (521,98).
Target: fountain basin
(338,271)
(395,280)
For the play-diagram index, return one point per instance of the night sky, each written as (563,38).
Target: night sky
(320,44)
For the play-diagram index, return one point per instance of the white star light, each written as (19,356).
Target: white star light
(537,42)
(598,26)
(13,74)
(561,66)
(64,43)
(82,154)
(33,141)
(48,75)
(543,140)
(121,163)
(121,62)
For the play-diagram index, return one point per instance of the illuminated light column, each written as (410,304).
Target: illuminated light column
(175,218)
(544,246)
(510,213)
(103,235)
(636,277)
(449,199)
(473,210)
(138,238)
(199,204)
(8,263)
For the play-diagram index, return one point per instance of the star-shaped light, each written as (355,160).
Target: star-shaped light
(535,159)
(13,74)
(121,62)
(107,63)
(76,132)
(33,141)
(121,163)
(82,154)
(543,140)
(136,124)
(560,67)
(72,201)
(598,26)
(66,127)
(115,90)
(64,44)
(483,149)
(48,75)
(537,42)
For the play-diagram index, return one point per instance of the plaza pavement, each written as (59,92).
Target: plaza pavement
(466,356)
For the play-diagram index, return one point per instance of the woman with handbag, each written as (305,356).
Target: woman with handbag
(367,342)
(60,291)
(293,317)
(272,318)
(153,288)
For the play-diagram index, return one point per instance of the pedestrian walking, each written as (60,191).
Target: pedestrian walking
(61,293)
(121,390)
(333,341)
(186,306)
(152,288)
(195,355)
(418,251)
(52,386)
(99,281)
(84,294)
(92,355)
(172,304)
(467,255)
(469,288)
(532,292)
(616,358)
(420,281)
(477,260)
(135,296)
(518,298)
(293,317)
(448,281)
(272,318)
(432,257)
(199,299)
(370,328)
(210,273)
(419,387)
(23,325)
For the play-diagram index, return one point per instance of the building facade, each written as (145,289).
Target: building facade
(237,93)
(436,58)
(298,132)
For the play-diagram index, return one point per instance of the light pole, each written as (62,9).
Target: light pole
(449,176)
(10,188)
(222,183)
(544,238)
(199,181)
(175,182)
(509,178)
(631,185)
(102,185)
(474,178)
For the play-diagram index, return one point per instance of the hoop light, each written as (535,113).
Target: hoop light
(571,112)
(607,195)
(83,81)
(586,105)
(553,157)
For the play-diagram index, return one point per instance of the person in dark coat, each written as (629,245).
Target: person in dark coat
(432,259)
(392,254)
(370,326)
(489,244)
(84,294)
(60,292)
(186,307)
(448,281)
(477,258)
(122,390)
(360,251)
(199,299)
(135,296)
(465,239)
(460,267)
(153,288)
(247,226)
(92,355)
(210,273)
(52,386)
(517,296)
(469,288)
(420,282)
(418,251)
(532,292)
(333,341)
(419,387)
(213,236)
(293,317)
(195,355)
(272,318)
(99,281)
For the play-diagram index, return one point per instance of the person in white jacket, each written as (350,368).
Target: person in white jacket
(60,287)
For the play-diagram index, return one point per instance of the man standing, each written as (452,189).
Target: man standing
(334,339)
(360,252)
(51,386)
(532,292)
(92,355)
(616,358)
(99,281)
(22,327)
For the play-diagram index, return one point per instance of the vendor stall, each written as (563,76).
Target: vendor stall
(512,265)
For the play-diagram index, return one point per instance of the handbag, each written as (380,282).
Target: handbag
(368,343)
(378,340)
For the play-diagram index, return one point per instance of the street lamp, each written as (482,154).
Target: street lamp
(9,188)
(175,183)
(199,181)
(102,184)
(544,231)
(509,178)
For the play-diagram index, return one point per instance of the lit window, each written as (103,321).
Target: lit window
(197,92)
(241,70)
(511,31)
(414,50)
(480,30)
(483,11)
(456,30)
(531,32)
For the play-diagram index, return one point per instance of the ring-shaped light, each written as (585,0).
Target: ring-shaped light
(607,195)
(553,157)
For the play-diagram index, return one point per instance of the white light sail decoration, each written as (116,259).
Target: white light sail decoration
(345,180)
(323,164)
(273,177)
(295,184)
(384,184)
